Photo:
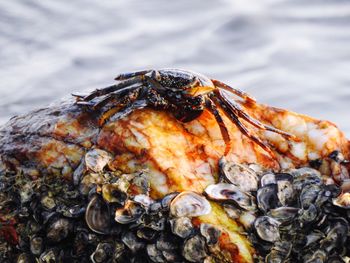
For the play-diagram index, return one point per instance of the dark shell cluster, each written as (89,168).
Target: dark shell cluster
(106,216)
(289,217)
(103,216)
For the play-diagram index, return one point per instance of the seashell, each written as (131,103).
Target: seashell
(309,215)
(132,242)
(318,256)
(194,249)
(145,200)
(285,190)
(232,211)
(112,194)
(305,176)
(172,256)
(131,212)
(279,252)
(267,228)
(26,192)
(211,233)
(268,178)
(167,242)
(309,195)
(146,233)
(181,226)
(36,245)
(314,237)
(140,184)
(154,221)
(48,202)
(96,160)
(103,253)
(189,204)
(167,200)
(284,214)
(342,201)
(336,236)
(97,215)
(230,193)
(59,230)
(154,254)
(267,197)
(241,176)
(119,251)
(75,211)
(24,258)
(247,219)
(48,256)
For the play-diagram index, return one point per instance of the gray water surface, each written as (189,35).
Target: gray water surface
(287,53)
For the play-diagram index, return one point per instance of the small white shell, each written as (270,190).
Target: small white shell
(189,204)
(230,193)
(96,160)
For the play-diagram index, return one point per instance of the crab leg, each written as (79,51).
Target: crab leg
(120,87)
(116,97)
(130,75)
(121,104)
(237,92)
(224,131)
(136,105)
(239,112)
(225,104)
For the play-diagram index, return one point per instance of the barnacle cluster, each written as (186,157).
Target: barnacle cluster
(108,216)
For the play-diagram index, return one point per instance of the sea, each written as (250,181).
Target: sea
(291,54)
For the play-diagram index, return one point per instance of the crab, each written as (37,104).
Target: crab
(184,93)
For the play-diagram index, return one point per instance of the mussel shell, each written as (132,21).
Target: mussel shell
(305,176)
(165,202)
(286,192)
(284,214)
(241,176)
(210,232)
(189,204)
(103,253)
(309,215)
(268,178)
(132,242)
(318,256)
(59,230)
(131,212)
(154,254)
(336,235)
(267,228)
(36,245)
(48,202)
(181,226)
(146,233)
(313,238)
(194,249)
(112,194)
(97,215)
(24,258)
(230,193)
(267,197)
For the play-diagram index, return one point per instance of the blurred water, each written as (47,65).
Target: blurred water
(287,53)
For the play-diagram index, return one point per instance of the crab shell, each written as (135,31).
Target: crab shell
(179,156)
